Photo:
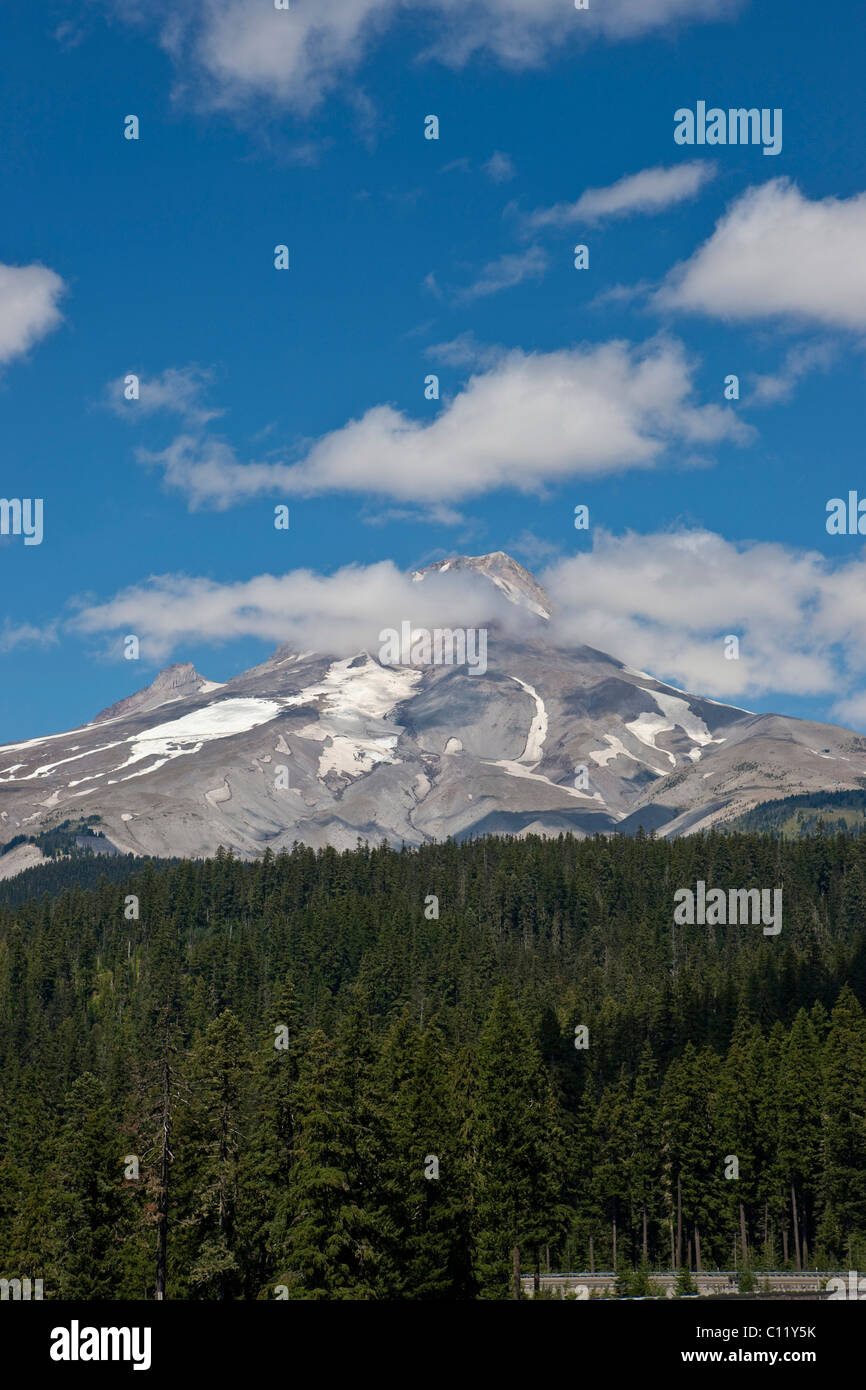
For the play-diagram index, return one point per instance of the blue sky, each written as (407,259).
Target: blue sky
(409,257)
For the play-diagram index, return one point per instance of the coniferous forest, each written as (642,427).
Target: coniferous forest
(371,1075)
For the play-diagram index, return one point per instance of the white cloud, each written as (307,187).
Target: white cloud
(237,50)
(466,351)
(28,307)
(650,191)
(177,390)
(209,473)
(664,602)
(337,614)
(522,33)
(529,421)
(533,549)
(852,711)
(621,294)
(776,254)
(14,635)
(801,361)
(437,514)
(506,272)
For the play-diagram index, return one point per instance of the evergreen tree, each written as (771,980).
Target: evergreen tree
(843,1190)
(518,1147)
(210,1143)
(88,1200)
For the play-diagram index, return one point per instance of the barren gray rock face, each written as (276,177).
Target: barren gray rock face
(324,749)
(172,683)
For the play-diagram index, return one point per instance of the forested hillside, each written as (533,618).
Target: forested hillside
(289,1051)
(824,812)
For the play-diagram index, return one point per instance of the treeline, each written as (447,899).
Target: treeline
(372,1074)
(79,868)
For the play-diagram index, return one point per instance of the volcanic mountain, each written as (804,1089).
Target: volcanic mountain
(324,748)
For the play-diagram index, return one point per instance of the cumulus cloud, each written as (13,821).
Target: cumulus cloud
(776,254)
(237,50)
(337,614)
(529,421)
(209,472)
(29,296)
(664,602)
(177,390)
(650,191)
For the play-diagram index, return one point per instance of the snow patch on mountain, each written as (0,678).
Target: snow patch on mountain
(518,769)
(218,795)
(181,737)
(355,696)
(47,768)
(538,728)
(675,713)
(681,712)
(617,749)
(525,765)
(516,595)
(646,729)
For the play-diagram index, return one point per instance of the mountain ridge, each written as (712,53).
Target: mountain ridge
(325,748)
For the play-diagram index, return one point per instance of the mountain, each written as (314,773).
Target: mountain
(323,749)
(516,583)
(173,683)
